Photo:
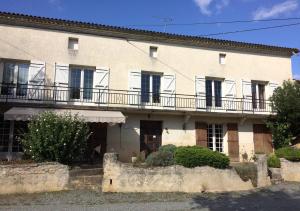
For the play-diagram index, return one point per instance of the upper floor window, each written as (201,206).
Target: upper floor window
(81,83)
(213,92)
(153,51)
(222,58)
(150,87)
(258,95)
(73,43)
(15,75)
(215,137)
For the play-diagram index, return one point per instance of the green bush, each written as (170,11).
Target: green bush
(160,158)
(168,148)
(289,153)
(52,137)
(273,161)
(192,156)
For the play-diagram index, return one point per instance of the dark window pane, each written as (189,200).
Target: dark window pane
(88,84)
(75,83)
(208,85)
(253,86)
(19,130)
(145,89)
(8,79)
(261,95)
(22,79)
(218,93)
(4,134)
(156,88)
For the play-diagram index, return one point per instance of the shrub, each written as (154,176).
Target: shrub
(168,148)
(160,158)
(273,161)
(192,156)
(246,171)
(289,153)
(52,137)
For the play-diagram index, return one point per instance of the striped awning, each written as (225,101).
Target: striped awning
(26,114)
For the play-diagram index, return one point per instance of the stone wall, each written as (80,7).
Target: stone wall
(120,177)
(30,178)
(290,171)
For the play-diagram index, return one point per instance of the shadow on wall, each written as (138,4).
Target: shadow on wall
(255,200)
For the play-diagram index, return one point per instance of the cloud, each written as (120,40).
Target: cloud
(205,6)
(276,10)
(56,3)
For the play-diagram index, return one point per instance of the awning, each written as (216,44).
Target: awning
(25,114)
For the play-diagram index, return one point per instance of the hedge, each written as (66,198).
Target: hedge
(192,156)
(273,161)
(289,153)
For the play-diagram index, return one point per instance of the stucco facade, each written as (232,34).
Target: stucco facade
(121,54)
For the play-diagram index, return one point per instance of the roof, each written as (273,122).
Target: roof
(137,34)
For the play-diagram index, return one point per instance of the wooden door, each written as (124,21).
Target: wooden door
(201,134)
(262,138)
(233,142)
(150,136)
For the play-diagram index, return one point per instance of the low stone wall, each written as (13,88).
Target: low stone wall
(29,178)
(120,177)
(290,171)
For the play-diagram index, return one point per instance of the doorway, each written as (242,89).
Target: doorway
(96,143)
(262,138)
(150,136)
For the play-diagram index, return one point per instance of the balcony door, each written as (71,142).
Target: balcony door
(150,87)
(15,79)
(213,90)
(81,83)
(258,95)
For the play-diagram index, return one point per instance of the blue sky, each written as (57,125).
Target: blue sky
(139,12)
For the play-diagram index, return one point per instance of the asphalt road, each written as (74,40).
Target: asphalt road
(278,197)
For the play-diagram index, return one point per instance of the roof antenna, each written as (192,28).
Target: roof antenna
(165,20)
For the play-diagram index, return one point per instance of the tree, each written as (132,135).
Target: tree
(285,125)
(52,137)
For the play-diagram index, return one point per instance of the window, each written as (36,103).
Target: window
(150,87)
(73,43)
(15,75)
(215,137)
(153,51)
(258,95)
(213,93)
(4,134)
(81,83)
(222,58)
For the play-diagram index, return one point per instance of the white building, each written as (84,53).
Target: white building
(144,89)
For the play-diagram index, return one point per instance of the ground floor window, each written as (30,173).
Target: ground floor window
(215,137)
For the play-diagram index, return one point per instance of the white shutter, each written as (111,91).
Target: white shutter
(36,80)
(247,95)
(200,91)
(168,88)
(101,85)
(134,85)
(229,92)
(271,88)
(62,82)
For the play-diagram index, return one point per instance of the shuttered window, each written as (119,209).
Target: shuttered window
(81,83)
(215,137)
(150,87)
(213,93)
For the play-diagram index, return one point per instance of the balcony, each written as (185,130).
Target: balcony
(109,98)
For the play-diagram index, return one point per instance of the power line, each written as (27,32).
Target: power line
(214,22)
(250,30)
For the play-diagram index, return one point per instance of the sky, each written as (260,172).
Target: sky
(144,14)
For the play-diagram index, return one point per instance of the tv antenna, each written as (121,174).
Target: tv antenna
(165,20)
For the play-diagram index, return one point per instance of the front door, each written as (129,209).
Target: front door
(97,141)
(262,139)
(150,136)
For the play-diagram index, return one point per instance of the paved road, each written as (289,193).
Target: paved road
(279,197)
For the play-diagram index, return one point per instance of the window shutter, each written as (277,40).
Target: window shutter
(62,82)
(168,89)
(247,95)
(229,92)
(36,79)
(101,85)
(200,91)
(134,85)
(271,88)
(233,142)
(201,134)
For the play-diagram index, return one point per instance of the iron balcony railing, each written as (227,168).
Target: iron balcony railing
(28,93)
